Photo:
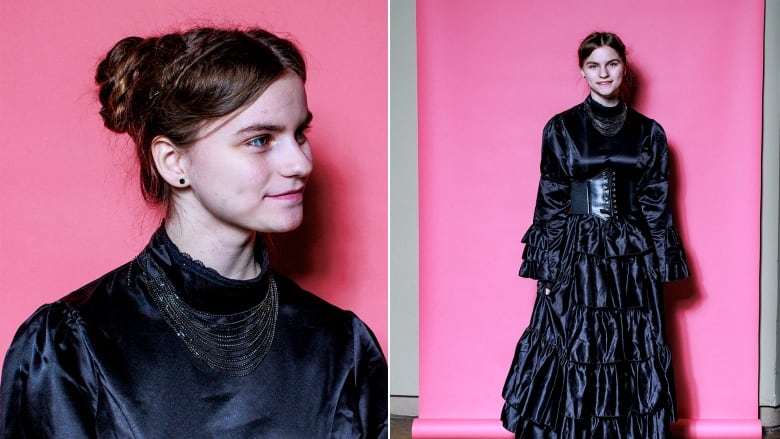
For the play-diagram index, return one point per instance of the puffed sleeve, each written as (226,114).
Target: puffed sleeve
(544,239)
(47,388)
(654,201)
(362,406)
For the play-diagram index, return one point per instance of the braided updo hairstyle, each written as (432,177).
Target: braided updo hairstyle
(173,85)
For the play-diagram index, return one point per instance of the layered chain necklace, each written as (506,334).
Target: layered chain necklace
(606,125)
(232,344)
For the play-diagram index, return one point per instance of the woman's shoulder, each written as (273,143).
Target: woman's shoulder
(64,316)
(298,300)
(51,359)
(53,334)
(643,120)
(97,301)
(565,115)
(571,118)
(574,110)
(54,318)
(305,306)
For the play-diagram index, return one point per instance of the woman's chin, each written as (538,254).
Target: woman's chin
(286,225)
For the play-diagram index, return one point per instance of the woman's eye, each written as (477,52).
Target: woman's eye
(260,141)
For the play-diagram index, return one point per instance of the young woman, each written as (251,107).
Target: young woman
(197,337)
(594,361)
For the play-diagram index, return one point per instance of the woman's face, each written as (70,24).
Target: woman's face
(604,71)
(249,170)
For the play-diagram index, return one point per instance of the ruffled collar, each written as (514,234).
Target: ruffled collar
(203,288)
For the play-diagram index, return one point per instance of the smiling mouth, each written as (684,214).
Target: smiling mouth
(294,195)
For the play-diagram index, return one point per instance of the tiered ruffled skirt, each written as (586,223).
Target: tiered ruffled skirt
(594,361)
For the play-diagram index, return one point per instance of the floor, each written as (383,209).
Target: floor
(401,428)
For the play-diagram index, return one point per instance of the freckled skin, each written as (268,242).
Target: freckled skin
(252,179)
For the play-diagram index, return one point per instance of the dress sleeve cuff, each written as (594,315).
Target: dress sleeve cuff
(673,266)
(536,255)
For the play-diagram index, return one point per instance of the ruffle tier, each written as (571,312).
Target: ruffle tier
(627,239)
(652,425)
(614,283)
(594,361)
(546,383)
(597,337)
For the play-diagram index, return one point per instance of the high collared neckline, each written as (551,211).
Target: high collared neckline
(202,287)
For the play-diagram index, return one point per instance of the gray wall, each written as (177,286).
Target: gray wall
(769,386)
(404,275)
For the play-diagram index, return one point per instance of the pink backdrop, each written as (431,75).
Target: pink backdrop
(71,207)
(491,73)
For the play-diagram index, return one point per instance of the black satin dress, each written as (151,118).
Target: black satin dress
(103,363)
(594,361)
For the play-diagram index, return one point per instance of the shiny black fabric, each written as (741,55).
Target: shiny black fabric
(594,361)
(103,363)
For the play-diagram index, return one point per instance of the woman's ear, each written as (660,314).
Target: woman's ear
(169,160)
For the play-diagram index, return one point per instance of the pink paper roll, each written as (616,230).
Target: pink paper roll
(491,429)
(717,428)
(458,429)
(490,75)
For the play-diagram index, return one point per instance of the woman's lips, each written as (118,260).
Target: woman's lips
(293,195)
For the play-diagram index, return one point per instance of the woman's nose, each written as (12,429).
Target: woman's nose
(296,160)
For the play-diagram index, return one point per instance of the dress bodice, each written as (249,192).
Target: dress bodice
(597,151)
(104,362)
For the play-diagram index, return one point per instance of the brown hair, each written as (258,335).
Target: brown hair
(172,85)
(609,39)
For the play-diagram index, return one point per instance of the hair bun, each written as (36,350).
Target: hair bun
(117,79)
(172,84)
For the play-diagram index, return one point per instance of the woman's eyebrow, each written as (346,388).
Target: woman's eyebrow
(261,127)
(605,62)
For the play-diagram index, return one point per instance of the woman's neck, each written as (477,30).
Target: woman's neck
(229,251)
(605,101)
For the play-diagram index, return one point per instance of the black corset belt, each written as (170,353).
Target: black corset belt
(605,195)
